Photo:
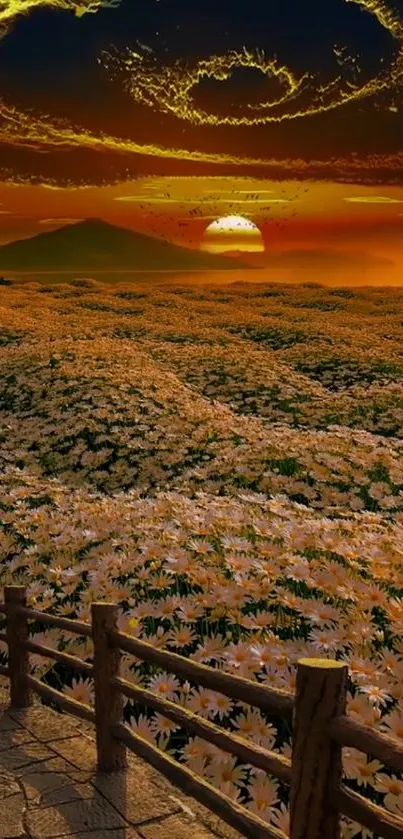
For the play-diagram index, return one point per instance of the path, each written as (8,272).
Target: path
(49,787)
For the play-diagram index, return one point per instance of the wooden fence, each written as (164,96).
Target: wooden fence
(320,727)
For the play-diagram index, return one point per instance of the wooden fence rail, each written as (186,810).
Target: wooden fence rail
(317,711)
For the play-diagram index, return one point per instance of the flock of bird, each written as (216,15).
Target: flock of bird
(212,205)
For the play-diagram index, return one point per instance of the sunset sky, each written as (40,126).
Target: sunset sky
(164,115)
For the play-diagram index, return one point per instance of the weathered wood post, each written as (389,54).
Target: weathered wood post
(109,702)
(18,655)
(316,763)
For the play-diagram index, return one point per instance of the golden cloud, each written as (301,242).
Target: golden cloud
(170,90)
(59,220)
(373,199)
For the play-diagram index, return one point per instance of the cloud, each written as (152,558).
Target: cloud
(149,100)
(59,220)
(258,191)
(10,10)
(218,199)
(202,217)
(374,199)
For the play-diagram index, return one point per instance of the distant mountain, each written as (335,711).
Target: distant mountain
(250,259)
(94,244)
(237,253)
(327,260)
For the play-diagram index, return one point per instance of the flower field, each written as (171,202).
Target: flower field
(225,464)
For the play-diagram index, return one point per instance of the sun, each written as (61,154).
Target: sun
(232,233)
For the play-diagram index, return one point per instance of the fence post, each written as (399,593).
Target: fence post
(18,655)
(316,763)
(109,702)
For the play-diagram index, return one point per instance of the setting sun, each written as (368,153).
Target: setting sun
(232,233)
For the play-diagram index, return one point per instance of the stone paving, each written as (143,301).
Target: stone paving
(49,787)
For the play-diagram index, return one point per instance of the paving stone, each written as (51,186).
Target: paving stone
(15,737)
(11,817)
(20,756)
(82,776)
(38,786)
(134,796)
(75,817)
(206,817)
(7,723)
(54,764)
(175,827)
(80,751)
(63,795)
(8,785)
(67,792)
(21,714)
(120,833)
(43,723)
(30,711)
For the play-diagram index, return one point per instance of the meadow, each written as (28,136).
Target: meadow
(225,464)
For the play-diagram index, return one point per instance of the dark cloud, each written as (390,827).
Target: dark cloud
(112,123)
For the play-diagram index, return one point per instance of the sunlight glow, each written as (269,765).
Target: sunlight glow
(232,233)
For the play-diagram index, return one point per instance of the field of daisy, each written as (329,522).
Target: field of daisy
(225,464)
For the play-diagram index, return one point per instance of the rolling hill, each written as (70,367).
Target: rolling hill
(94,244)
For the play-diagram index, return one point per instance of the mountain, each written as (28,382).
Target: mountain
(326,260)
(94,244)
(250,259)
(236,254)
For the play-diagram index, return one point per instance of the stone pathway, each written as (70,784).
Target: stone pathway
(49,787)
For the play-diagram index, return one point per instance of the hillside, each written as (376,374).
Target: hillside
(95,244)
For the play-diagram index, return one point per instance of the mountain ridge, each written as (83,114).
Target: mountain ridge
(93,244)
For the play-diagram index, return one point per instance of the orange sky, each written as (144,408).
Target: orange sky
(290,214)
